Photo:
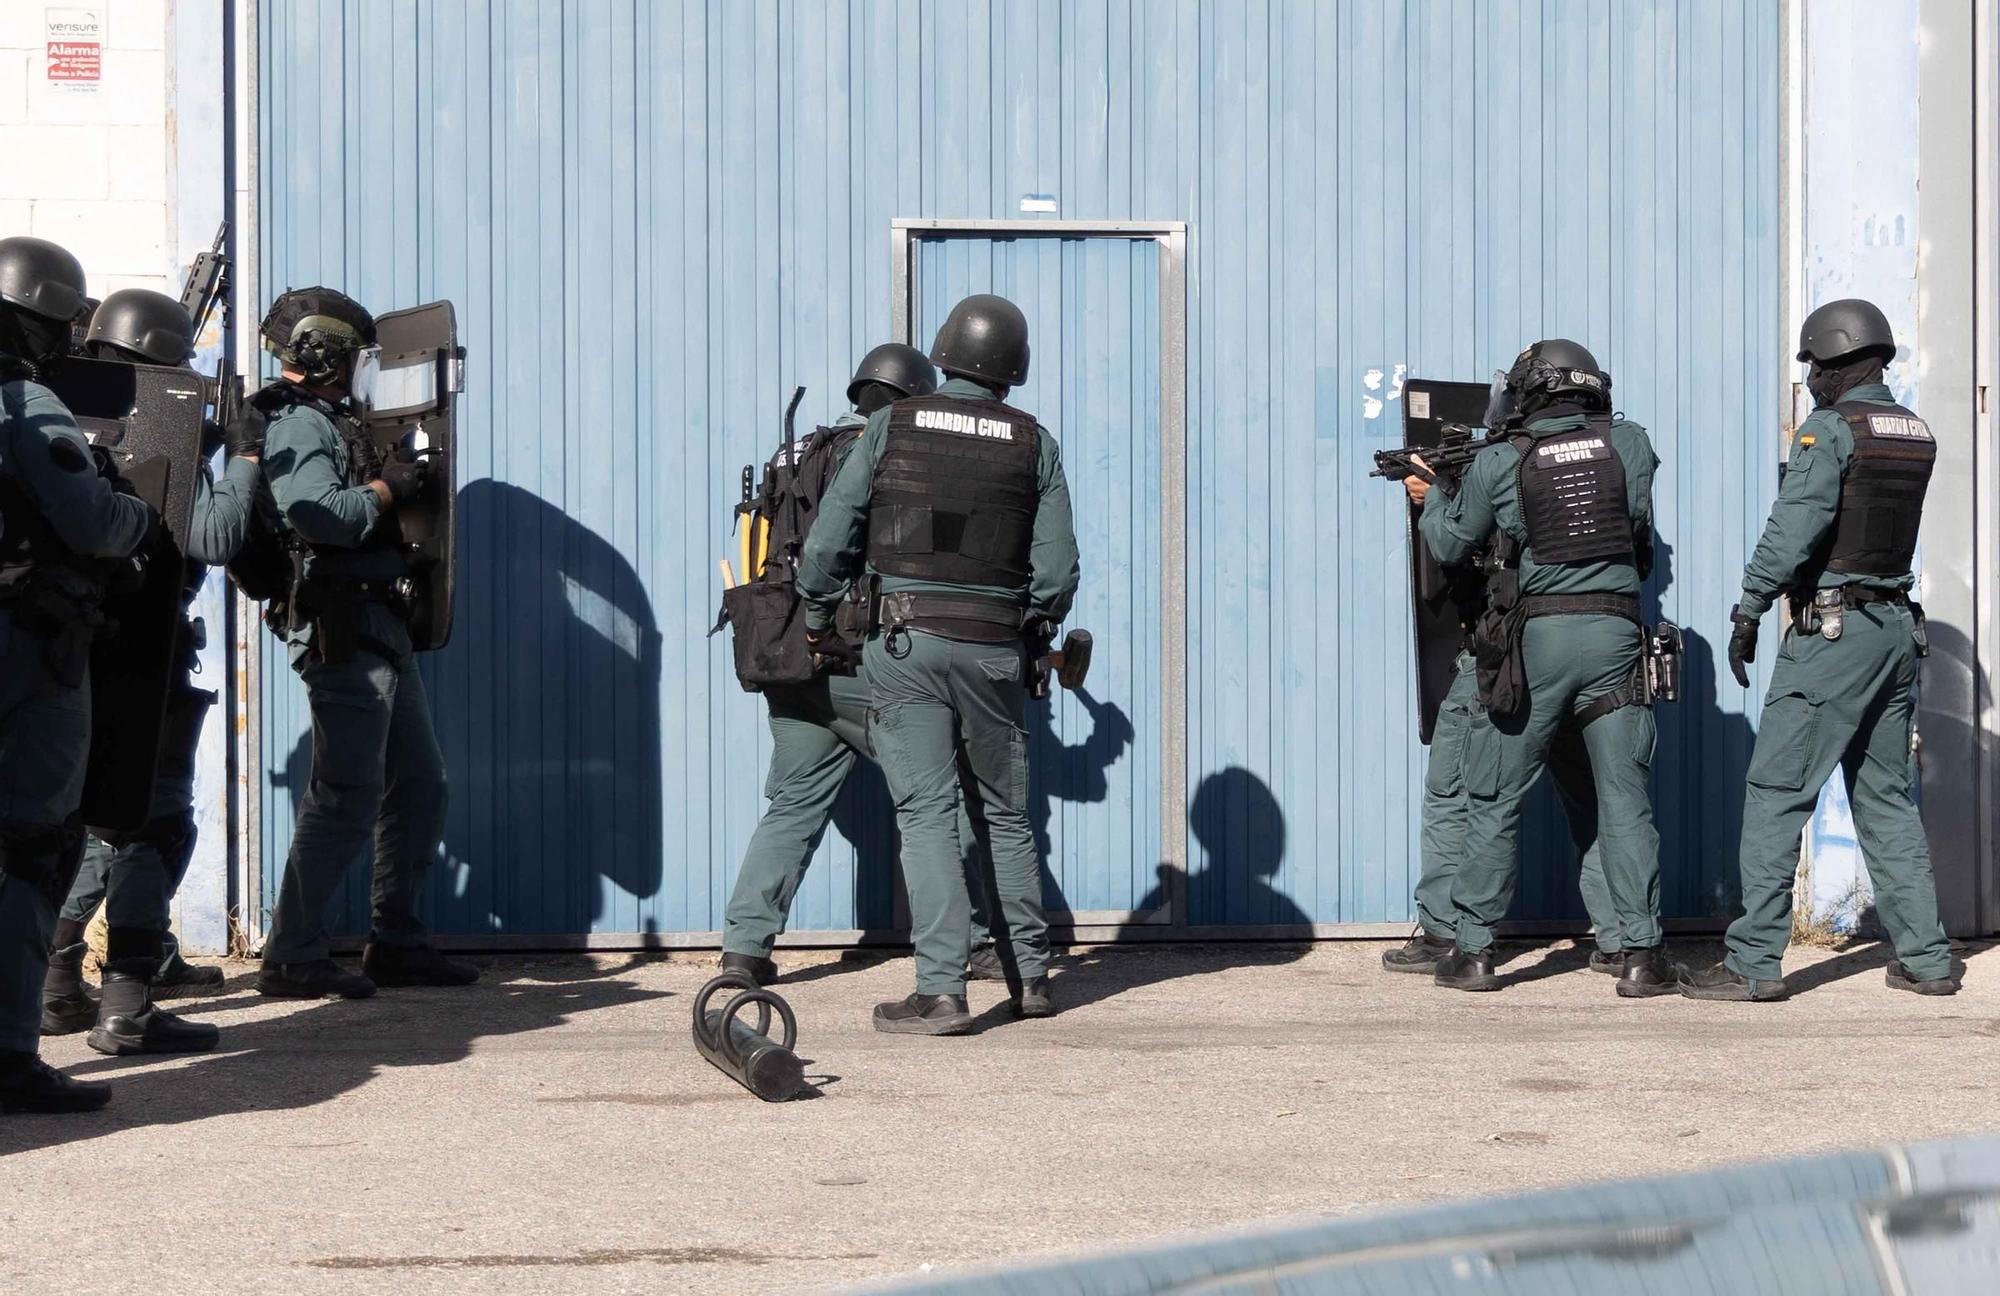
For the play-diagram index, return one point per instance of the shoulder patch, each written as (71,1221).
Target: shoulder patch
(67,455)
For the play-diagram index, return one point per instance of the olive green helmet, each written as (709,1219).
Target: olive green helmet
(317,331)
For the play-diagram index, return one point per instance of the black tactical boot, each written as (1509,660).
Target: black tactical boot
(1723,982)
(1034,999)
(319,979)
(413,965)
(68,1006)
(923,1014)
(1420,953)
(1458,970)
(28,1084)
(1611,964)
(761,970)
(985,964)
(128,1022)
(1646,973)
(177,976)
(1897,977)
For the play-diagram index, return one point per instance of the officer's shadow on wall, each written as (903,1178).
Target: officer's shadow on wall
(546,702)
(1239,830)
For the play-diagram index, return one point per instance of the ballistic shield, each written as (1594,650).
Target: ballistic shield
(1443,600)
(148,421)
(406,390)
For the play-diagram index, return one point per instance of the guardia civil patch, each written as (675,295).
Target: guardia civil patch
(1906,427)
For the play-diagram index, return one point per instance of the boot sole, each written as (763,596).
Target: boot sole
(1029,1012)
(185,989)
(1428,969)
(1727,995)
(59,1023)
(124,1046)
(419,983)
(956,1025)
(1630,990)
(1478,984)
(306,992)
(1909,987)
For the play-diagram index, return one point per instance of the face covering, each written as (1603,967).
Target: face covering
(1829,382)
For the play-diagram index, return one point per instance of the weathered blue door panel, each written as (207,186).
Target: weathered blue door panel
(1094,380)
(656,218)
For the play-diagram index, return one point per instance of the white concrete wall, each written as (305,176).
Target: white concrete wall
(89,169)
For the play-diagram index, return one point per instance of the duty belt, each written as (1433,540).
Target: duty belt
(1619,605)
(1855,596)
(965,616)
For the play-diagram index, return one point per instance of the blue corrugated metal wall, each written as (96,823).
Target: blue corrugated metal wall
(656,218)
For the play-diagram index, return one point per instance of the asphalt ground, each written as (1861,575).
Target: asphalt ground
(553,1129)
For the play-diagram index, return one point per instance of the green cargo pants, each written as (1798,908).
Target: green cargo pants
(44,741)
(1446,811)
(817,731)
(377,778)
(938,702)
(1846,703)
(1570,662)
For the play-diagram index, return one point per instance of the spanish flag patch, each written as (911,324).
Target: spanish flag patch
(1807,439)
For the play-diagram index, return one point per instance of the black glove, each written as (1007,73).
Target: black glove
(1742,644)
(405,480)
(831,653)
(107,468)
(245,434)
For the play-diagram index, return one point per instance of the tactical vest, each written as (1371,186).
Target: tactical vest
(955,492)
(1572,488)
(795,480)
(1882,496)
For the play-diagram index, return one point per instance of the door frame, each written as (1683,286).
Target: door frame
(906,234)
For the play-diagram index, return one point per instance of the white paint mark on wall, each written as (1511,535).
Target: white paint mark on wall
(597,612)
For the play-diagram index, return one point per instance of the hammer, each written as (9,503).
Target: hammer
(1069,663)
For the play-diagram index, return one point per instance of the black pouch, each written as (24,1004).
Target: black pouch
(1496,644)
(767,623)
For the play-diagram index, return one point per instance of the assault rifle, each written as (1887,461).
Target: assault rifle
(1447,459)
(203,297)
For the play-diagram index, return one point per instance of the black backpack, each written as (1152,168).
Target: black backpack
(763,611)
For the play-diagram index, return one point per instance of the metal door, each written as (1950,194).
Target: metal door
(1093,302)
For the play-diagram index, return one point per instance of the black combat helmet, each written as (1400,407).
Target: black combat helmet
(1552,371)
(894,365)
(41,278)
(41,291)
(143,325)
(986,338)
(1844,328)
(316,331)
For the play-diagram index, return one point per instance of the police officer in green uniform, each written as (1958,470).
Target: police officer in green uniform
(135,874)
(378,778)
(956,503)
(64,528)
(818,728)
(1839,543)
(1570,492)
(1445,814)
